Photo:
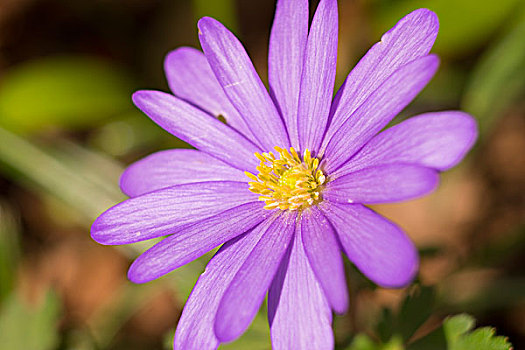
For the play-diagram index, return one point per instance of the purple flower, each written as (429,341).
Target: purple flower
(283,183)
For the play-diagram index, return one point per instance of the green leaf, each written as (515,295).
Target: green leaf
(9,249)
(464,24)
(363,342)
(498,79)
(482,339)
(415,310)
(386,324)
(68,91)
(435,340)
(26,327)
(458,325)
(459,335)
(82,179)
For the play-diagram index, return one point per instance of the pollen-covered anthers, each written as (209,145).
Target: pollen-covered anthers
(287,182)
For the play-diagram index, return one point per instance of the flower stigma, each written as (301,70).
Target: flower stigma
(287,182)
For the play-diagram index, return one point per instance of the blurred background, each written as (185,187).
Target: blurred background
(68,129)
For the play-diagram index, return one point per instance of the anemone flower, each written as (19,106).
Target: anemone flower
(283,184)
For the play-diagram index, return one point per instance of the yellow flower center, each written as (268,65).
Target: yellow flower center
(287,182)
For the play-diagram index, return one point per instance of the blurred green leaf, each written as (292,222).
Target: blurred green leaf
(70,91)
(80,178)
(363,342)
(464,24)
(459,335)
(129,133)
(167,343)
(29,328)
(9,249)
(435,340)
(386,324)
(498,79)
(415,310)
(222,10)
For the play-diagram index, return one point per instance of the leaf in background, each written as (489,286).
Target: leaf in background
(69,91)
(386,324)
(464,24)
(130,133)
(222,10)
(9,249)
(363,342)
(82,179)
(459,335)
(29,327)
(498,79)
(415,310)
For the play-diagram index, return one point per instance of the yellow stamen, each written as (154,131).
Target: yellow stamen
(287,183)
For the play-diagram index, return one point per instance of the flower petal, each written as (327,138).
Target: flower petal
(412,37)
(190,77)
(246,292)
(241,83)
(165,211)
(197,128)
(191,242)
(380,249)
(383,105)
(195,326)
(317,83)
(286,58)
(322,249)
(436,140)
(382,184)
(299,314)
(175,167)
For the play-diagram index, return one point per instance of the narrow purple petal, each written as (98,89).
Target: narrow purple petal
(241,83)
(246,292)
(197,128)
(382,184)
(191,242)
(175,167)
(324,255)
(195,326)
(379,109)
(165,211)
(190,77)
(380,249)
(412,37)
(299,314)
(317,83)
(286,58)
(437,140)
